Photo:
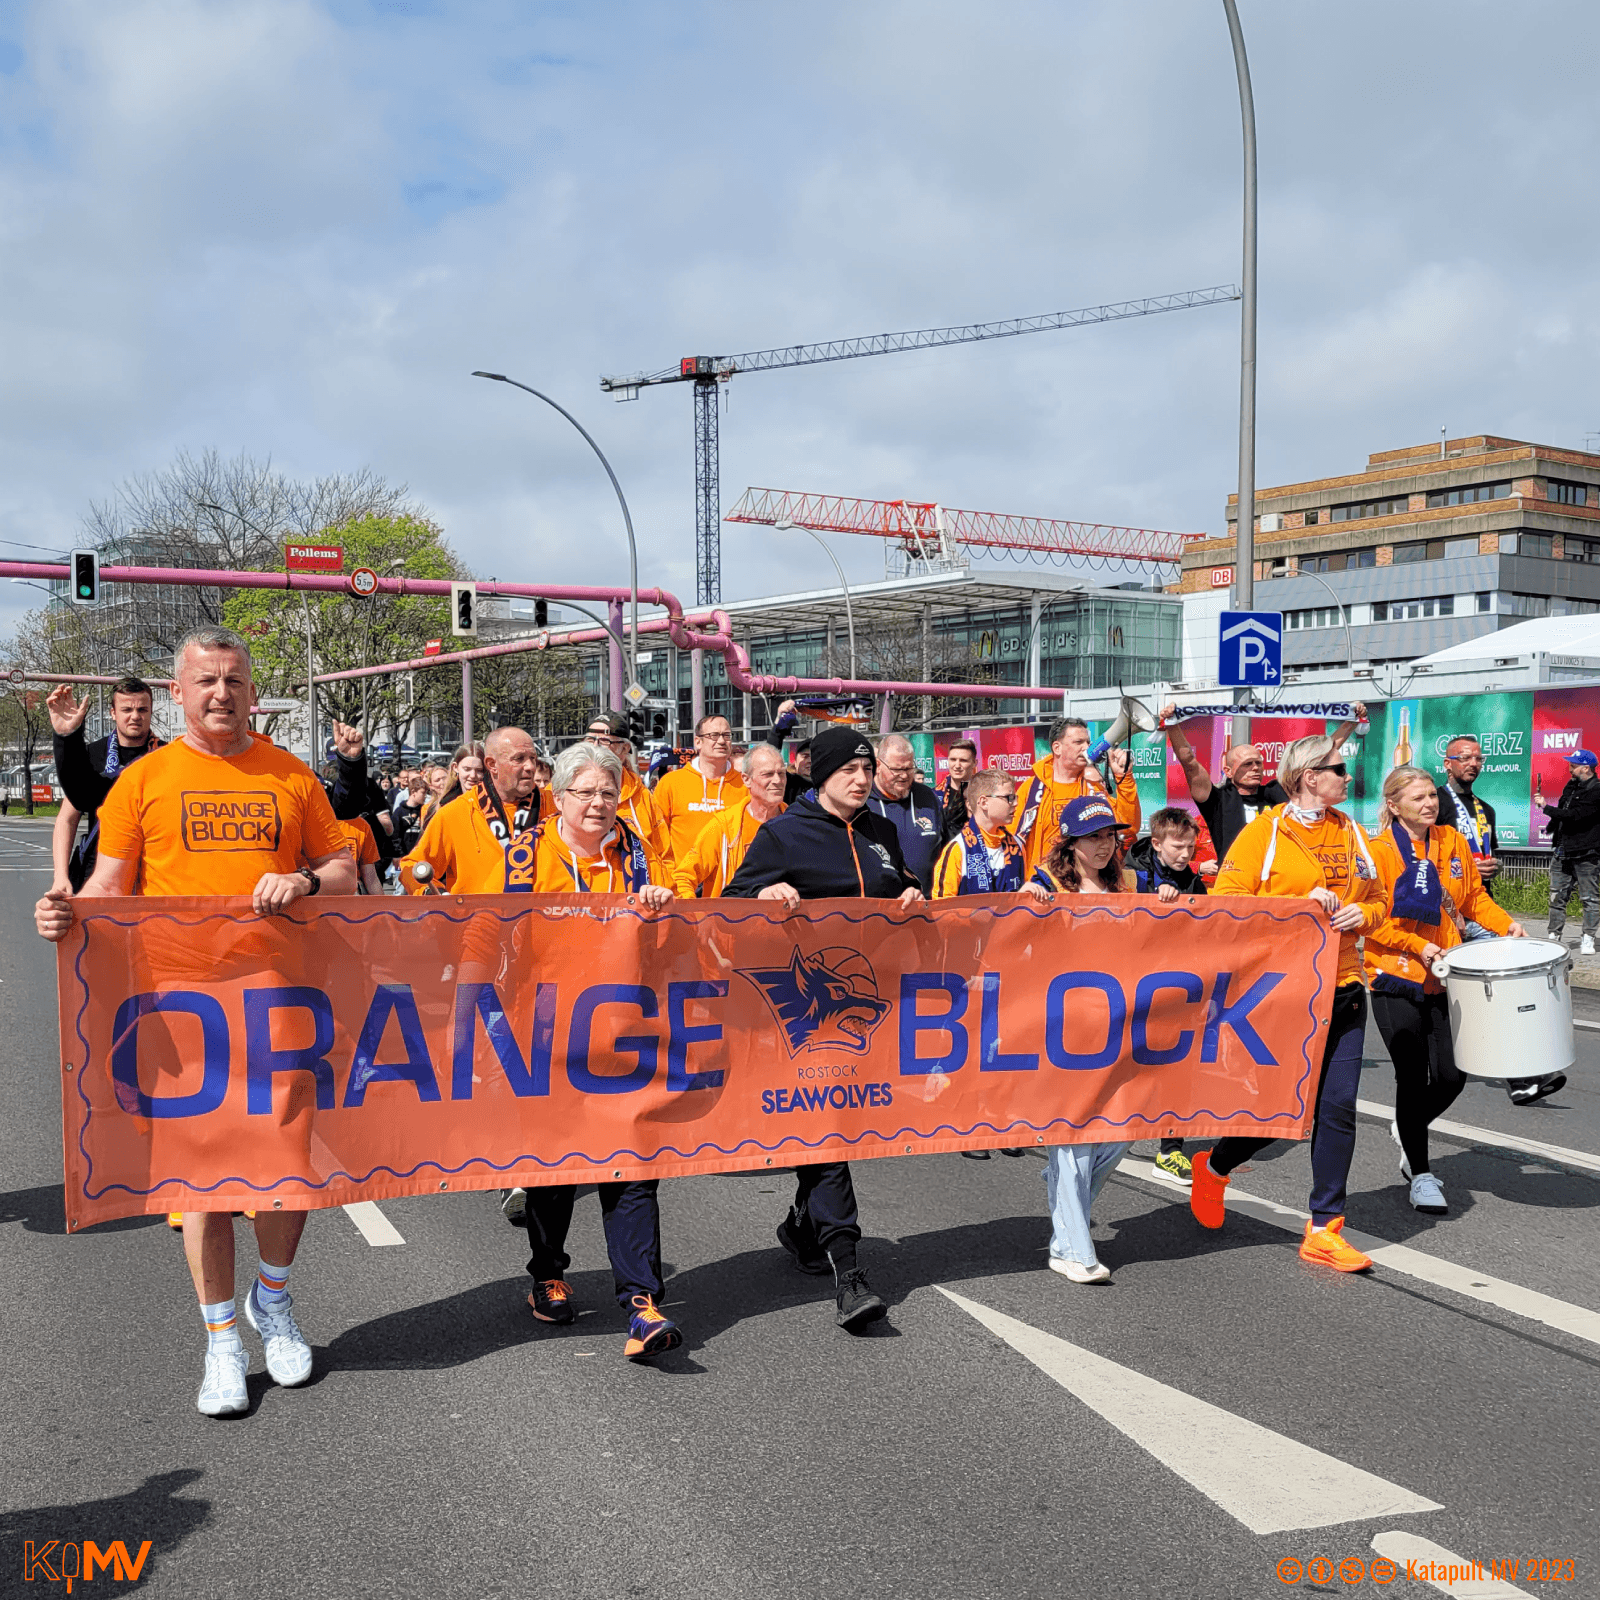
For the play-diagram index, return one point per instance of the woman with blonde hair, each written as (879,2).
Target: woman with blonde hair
(1307,849)
(465,773)
(1082,861)
(1430,887)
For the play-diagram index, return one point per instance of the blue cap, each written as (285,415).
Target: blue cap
(1583,758)
(1088,814)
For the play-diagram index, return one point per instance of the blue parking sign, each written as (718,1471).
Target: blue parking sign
(1250,648)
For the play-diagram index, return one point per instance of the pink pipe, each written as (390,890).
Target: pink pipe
(738,660)
(18,676)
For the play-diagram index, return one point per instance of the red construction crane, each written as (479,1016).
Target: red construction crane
(928,531)
(707,372)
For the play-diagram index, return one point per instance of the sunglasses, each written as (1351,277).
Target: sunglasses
(1338,767)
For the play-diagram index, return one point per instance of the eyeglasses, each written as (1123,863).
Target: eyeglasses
(1337,767)
(716,738)
(587,797)
(601,736)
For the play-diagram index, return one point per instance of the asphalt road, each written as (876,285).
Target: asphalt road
(447,1446)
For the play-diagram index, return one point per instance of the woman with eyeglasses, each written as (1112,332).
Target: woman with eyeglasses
(586,848)
(690,796)
(637,806)
(1308,849)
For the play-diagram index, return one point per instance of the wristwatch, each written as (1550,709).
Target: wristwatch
(312,879)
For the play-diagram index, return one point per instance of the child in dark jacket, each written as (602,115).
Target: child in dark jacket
(1160,866)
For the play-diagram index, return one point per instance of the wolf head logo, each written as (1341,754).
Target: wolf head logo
(825,1001)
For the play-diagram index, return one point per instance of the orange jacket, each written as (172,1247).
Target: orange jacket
(1278,856)
(639,810)
(715,855)
(463,851)
(687,800)
(1393,955)
(1041,799)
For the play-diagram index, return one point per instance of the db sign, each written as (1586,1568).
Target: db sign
(1250,648)
(1221,577)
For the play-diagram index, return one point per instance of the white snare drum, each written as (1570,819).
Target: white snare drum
(1510,1006)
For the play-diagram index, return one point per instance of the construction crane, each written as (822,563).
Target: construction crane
(929,533)
(706,372)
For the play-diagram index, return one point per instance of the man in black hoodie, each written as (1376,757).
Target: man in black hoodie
(86,771)
(829,847)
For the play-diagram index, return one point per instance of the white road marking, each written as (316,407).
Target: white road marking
(375,1227)
(1475,1584)
(1576,1320)
(1578,1022)
(1558,1154)
(1270,1483)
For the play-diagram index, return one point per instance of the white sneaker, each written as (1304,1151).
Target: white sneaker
(514,1202)
(288,1354)
(1427,1194)
(1405,1166)
(222,1390)
(1586,945)
(1098,1273)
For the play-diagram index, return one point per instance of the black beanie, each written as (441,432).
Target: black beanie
(834,748)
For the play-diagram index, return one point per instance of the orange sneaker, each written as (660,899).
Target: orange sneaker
(1205,1192)
(1328,1247)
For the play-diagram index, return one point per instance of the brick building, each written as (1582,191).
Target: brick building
(1429,547)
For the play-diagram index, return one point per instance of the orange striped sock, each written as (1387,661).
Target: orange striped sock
(221,1329)
(272,1283)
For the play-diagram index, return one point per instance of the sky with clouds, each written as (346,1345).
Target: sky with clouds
(294,227)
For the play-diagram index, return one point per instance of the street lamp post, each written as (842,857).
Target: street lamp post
(1344,613)
(627,519)
(1245,539)
(784,525)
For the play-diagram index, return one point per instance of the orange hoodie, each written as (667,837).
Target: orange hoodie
(637,807)
(1275,855)
(714,857)
(1041,799)
(1394,952)
(687,800)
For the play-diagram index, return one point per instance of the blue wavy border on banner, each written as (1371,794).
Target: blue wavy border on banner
(791,1143)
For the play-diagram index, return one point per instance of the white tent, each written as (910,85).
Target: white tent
(1539,636)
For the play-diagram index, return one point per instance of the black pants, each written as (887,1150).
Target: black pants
(1333,1127)
(632,1220)
(825,1197)
(1426,1078)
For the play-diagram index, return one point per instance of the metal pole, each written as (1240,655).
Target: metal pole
(1344,613)
(697,686)
(844,583)
(311,691)
(622,500)
(614,652)
(466,702)
(1245,541)
(927,664)
(1035,655)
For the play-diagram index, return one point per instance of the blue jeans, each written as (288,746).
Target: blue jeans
(1074,1175)
(1333,1131)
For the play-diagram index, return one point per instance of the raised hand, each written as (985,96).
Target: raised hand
(66,715)
(348,741)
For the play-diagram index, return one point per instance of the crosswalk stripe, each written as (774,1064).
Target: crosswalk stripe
(1402,1548)
(1264,1480)
(1555,1153)
(1474,1285)
(375,1227)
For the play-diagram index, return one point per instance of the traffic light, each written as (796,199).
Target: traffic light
(86,577)
(541,613)
(463,609)
(636,729)
(658,725)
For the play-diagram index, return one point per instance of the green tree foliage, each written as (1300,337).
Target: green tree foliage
(351,632)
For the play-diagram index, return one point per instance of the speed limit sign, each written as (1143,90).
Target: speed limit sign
(364,582)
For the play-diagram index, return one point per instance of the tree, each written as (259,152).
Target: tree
(50,640)
(539,690)
(207,512)
(899,652)
(351,632)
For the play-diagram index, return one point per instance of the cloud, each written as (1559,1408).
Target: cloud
(295,228)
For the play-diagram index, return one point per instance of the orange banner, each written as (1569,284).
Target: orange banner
(361,1049)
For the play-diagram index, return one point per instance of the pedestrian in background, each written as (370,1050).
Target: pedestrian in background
(912,808)
(1067,774)
(1575,838)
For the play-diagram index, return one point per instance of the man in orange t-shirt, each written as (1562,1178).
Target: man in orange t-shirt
(1067,774)
(363,845)
(221,811)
